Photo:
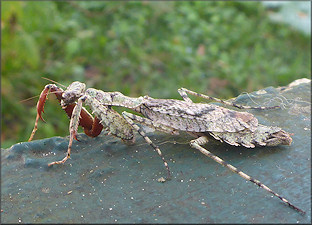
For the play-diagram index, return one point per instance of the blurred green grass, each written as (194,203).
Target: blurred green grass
(139,48)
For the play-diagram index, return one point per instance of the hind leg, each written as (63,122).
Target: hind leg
(183,92)
(203,140)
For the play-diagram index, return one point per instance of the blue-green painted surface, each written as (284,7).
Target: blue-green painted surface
(106,181)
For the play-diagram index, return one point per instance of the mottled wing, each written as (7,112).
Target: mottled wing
(197,117)
(262,136)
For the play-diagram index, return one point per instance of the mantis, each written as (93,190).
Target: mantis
(201,120)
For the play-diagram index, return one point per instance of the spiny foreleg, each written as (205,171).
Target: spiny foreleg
(40,104)
(91,126)
(111,120)
(130,117)
(203,140)
(183,92)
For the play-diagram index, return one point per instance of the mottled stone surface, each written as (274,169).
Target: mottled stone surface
(106,181)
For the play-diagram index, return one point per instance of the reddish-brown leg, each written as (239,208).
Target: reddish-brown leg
(40,106)
(92,127)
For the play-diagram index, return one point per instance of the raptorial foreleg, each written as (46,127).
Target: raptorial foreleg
(92,126)
(40,104)
(129,117)
(183,92)
(112,121)
(203,140)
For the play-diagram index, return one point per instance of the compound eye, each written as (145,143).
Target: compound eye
(68,97)
(64,95)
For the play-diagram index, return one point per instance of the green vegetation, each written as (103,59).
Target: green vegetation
(139,48)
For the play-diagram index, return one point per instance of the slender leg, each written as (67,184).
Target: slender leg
(142,133)
(203,140)
(35,128)
(73,127)
(183,92)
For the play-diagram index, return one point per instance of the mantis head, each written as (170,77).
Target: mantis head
(74,91)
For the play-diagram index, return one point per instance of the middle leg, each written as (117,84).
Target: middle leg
(130,119)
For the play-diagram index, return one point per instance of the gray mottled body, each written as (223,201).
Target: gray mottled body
(233,127)
(171,116)
(196,117)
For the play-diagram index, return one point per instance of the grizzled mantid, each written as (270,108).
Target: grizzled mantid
(201,120)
